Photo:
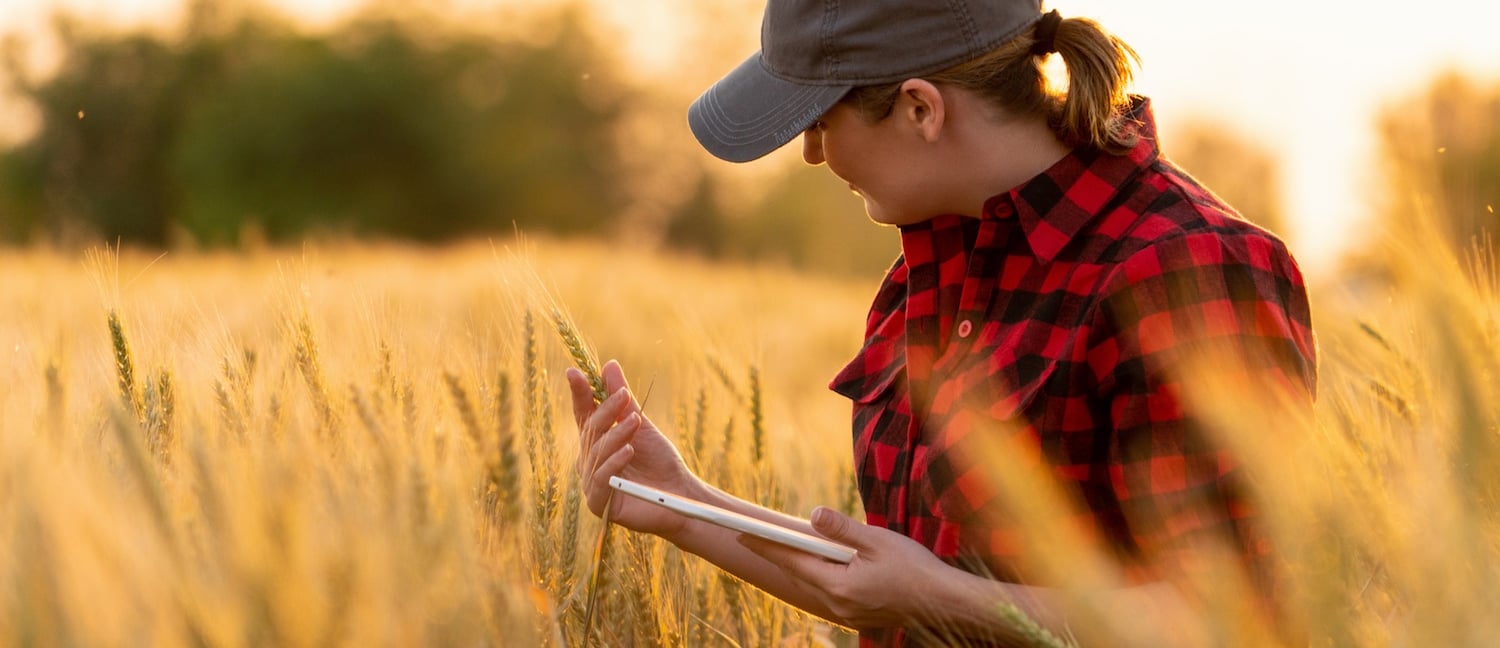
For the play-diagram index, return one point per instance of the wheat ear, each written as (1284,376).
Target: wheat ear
(56,407)
(505,471)
(305,350)
(1034,634)
(757,420)
(582,357)
(466,411)
(124,366)
(160,405)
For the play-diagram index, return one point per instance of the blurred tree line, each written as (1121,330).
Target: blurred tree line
(1440,157)
(240,126)
(378,126)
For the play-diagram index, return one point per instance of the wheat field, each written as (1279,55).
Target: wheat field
(345,445)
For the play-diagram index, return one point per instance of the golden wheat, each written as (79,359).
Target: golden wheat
(256,512)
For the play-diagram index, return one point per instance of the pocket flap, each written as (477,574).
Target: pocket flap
(878,365)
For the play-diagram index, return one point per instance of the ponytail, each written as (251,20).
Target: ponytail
(1090,113)
(1099,71)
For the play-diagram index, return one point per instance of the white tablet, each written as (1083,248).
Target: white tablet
(731,520)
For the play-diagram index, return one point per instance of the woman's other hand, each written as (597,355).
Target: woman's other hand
(616,439)
(889,583)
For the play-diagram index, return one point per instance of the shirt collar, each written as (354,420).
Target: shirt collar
(1053,207)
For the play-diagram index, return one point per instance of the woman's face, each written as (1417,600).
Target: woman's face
(880,161)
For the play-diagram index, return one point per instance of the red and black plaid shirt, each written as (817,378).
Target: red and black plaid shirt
(1059,310)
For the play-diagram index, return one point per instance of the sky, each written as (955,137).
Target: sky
(1303,78)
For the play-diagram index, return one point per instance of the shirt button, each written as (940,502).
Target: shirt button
(965,328)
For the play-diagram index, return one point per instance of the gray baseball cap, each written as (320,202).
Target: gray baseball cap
(814,51)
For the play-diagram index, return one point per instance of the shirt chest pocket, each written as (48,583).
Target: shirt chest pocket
(1003,373)
(1003,403)
(1021,370)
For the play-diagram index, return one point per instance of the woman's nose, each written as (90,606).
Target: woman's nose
(812,146)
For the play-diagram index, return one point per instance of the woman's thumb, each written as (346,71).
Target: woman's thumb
(836,526)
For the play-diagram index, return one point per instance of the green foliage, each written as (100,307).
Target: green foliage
(804,217)
(832,229)
(699,224)
(378,126)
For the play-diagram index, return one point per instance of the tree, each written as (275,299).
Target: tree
(809,219)
(699,224)
(1441,158)
(380,126)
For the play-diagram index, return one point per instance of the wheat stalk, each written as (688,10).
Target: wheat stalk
(585,362)
(362,408)
(643,614)
(726,472)
(572,502)
(56,407)
(1031,632)
(601,554)
(504,468)
(124,366)
(127,433)
(305,349)
(582,357)
(274,414)
(228,417)
(722,372)
(757,421)
(541,451)
(385,377)
(851,500)
(407,398)
(466,411)
(160,405)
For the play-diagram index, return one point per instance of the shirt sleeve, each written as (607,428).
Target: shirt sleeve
(1237,302)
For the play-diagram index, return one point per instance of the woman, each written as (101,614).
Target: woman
(1054,270)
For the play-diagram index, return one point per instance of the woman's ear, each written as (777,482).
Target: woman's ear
(921,105)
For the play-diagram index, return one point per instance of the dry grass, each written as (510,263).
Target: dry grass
(371,447)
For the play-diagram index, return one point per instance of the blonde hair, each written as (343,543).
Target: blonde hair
(1090,113)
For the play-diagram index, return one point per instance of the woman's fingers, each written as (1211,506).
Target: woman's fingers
(597,448)
(606,459)
(611,441)
(583,395)
(598,492)
(592,417)
(614,377)
(602,418)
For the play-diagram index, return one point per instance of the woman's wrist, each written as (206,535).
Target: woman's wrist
(694,489)
(971,605)
(692,532)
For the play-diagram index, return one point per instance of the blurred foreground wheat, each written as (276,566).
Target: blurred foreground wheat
(371,447)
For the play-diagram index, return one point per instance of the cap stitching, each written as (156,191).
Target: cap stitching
(799,97)
(802,105)
(967,26)
(830,23)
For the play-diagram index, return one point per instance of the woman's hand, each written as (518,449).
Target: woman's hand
(892,581)
(616,439)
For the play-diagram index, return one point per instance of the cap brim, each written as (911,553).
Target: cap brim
(750,113)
